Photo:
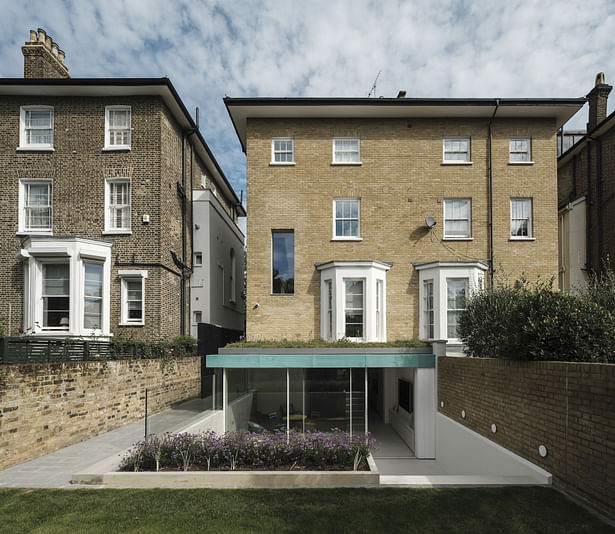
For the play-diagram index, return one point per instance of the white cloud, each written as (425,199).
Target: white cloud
(436,48)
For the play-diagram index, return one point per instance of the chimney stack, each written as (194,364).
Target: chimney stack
(42,57)
(597,99)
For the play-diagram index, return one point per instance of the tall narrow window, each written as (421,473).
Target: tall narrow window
(428,309)
(283,264)
(36,132)
(133,297)
(329,297)
(456,293)
(233,293)
(346,150)
(35,206)
(117,205)
(457,218)
(456,150)
(117,126)
(198,259)
(354,308)
(93,296)
(56,296)
(520,150)
(282,150)
(520,218)
(379,310)
(347,223)
(221,282)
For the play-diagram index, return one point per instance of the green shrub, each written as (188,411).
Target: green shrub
(537,323)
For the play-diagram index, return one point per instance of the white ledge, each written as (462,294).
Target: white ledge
(521,163)
(118,148)
(117,232)
(457,239)
(457,163)
(281,163)
(522,239)
(346,238)
(348,163)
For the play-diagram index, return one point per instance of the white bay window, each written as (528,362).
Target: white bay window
(444,287)
(66,286)
(353,300)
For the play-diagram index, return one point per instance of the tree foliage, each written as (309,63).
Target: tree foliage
(539,323)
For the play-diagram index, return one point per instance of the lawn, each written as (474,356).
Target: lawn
(501,510)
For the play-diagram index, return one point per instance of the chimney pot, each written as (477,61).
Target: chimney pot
(32,36)
(54,49)
(61,56)
(41,35)
(48,42)
(599,79)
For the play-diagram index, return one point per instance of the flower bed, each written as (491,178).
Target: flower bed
(238,451)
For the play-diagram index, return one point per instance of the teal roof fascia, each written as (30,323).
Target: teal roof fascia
(321,361)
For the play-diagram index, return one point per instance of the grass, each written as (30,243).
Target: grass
(475,511)
(319,343)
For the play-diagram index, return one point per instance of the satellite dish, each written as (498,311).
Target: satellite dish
(430,222)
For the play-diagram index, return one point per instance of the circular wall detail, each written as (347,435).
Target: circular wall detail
(542,450)
(463,414)
(494,428)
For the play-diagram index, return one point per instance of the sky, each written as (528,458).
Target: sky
(429,48)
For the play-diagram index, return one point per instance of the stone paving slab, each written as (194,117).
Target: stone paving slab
(55,470)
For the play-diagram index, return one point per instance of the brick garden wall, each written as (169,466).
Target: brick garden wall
(44,407)
(567,407)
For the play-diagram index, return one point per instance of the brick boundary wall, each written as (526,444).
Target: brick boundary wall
(44,407)
(567,407)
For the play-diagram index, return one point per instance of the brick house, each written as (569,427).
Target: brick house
(586,191)
(372,218)
(98,178)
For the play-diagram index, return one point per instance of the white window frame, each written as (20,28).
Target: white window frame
(198,259)
(466,282)
(76,252)
(275,152)
(468,158)
(43,264)
(439,272)
(466,237)
(428,309)
(23,188)
(126,275)
(530,222)
(23,144)
(362,309)
(333,276)
(512,150)
(108,145)
(108,228)
(358,219)
(357,151)
(91,297)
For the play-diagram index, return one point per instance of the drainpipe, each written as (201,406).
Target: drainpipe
(191,228)
(599,202)
(590,201)
(491,268)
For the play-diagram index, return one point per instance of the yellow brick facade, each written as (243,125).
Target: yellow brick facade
(401,181)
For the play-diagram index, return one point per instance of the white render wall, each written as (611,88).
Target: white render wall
(216,235)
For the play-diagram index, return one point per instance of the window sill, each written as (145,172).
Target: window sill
(117,232)
(521,163)
(282,294)
(282,164)
(34,232)
(347,163)
(35,149)
(346,238)
(457,239)
(131,324)
(118,148)
(457,163)
(522,239)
